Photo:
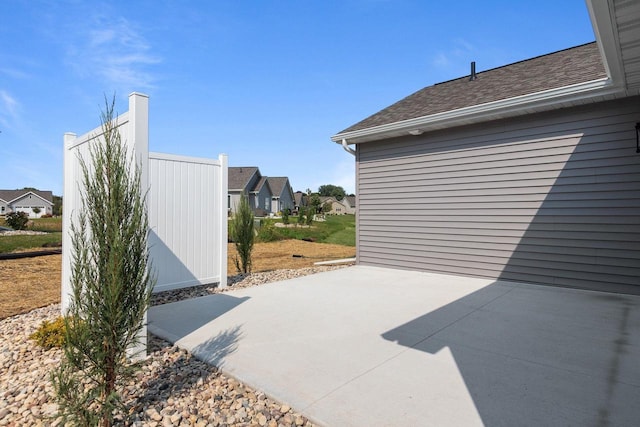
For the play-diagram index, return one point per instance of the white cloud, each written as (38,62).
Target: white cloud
(458,50)
(441,60)
(9,109)
(14,73)
(117,53)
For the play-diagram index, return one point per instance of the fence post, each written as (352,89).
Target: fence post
(70,163)
(138,138)
(223,215)
(137,142)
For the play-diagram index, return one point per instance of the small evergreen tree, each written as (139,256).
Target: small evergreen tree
(285,216)
(243,234)
(301,217)
(110,283)
(310,216)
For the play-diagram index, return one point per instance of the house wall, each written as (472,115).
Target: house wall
(27,203)
(550,198)
(4,208)
(262,199)
(284,201)
(338,208)
(234,199)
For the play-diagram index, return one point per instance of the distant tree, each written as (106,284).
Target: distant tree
(28,189)
(315,203)
(326,207)
(57,205)
(329,190)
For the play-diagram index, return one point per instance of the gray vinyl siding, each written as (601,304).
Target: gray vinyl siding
(286,199)
(550,198)
(262,199)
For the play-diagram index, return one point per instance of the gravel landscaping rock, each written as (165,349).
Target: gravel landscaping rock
(172,389)
(21,233)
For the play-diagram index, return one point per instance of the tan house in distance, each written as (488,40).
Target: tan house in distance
(339,207)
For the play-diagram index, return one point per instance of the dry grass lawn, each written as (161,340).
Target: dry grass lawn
(30,283)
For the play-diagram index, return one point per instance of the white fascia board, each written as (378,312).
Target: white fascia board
(603,21)
(571,93)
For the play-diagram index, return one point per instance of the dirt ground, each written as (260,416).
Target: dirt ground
(30,283)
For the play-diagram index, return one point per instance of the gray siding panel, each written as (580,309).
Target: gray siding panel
(553,198)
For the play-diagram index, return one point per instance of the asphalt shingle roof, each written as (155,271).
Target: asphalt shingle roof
(277,183)
(8,195)
(261,182)
(239,177)
(579,64)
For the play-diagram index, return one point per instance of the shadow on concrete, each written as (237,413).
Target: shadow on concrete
(541,356)
(176,321)
(214,350)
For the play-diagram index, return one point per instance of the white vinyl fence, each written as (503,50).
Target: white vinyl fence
(186,205)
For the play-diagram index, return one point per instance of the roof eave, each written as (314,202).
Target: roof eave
(540,101)
(605,28)
(26,194)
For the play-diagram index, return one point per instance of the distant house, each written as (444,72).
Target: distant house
(249,180)
(282,194)
(34,202)
(526,172)
(350,203)
(338,207)
(299,200)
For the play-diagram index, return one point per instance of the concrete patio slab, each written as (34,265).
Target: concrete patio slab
(381,347)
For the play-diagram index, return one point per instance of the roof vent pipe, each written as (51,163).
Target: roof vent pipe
(473,72)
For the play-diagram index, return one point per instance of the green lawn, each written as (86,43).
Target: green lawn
(337,229)
(53,227)
(15,243)
(42,224)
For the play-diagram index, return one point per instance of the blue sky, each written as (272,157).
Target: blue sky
(266,82)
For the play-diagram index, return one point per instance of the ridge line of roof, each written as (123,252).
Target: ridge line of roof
(514,63)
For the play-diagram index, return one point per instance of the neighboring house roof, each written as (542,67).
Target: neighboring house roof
(351,200)
(11,195)
(298,198)
(563,68)
(330,199)
(239,177)
(277,184)
(261,183)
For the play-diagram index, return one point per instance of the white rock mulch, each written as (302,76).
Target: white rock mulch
(172,389)
(21,233)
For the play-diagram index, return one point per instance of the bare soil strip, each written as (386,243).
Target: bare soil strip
(30,283)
